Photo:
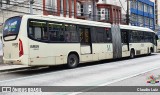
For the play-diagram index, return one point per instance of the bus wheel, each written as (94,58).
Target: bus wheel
(72,61)
(132,54)
(151,51)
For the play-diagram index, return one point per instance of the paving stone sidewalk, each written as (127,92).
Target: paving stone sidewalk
(7,67)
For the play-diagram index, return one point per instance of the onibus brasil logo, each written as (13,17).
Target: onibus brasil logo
(153,80)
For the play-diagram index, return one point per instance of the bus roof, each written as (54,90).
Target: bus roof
(129,27)
(69,20)
(83,22)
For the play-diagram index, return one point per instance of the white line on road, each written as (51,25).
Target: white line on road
(114,81)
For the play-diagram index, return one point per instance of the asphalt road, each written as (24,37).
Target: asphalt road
(123,72)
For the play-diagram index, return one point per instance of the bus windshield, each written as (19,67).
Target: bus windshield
(11,27)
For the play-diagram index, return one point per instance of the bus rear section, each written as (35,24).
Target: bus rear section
(12,43)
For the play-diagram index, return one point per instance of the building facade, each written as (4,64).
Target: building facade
(157,15)
(66,8)
(81,9)
(18,7)
(109,13)
(157,11)
(142,13)
(86,9)
(113,11)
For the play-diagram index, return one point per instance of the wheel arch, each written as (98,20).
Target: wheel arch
(74,52)
(151,49)
(132,49)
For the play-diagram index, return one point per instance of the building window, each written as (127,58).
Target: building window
(140,6)
(51,6)
(72,7)
(150,10)
(99,14)
(78,9)
(82,10)
(140,20)
(145,8)
(151,22)
(134,4)
(146,21)
(67,7)
(107,14)
(133,18)
(61,8)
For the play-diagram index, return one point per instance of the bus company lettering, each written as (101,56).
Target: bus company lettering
(15,44)
(108,48)
(34,47)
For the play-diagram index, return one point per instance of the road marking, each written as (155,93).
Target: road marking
(114,81)
(28,77)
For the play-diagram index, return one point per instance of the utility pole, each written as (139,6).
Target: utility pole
(31,6)
(94,14)
(8,1)
(0,3)
(1,10)
(127,14)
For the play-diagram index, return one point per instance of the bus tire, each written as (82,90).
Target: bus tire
(132,54)
(151,51)
(72,61)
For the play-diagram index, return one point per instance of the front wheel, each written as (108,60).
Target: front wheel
(72,61)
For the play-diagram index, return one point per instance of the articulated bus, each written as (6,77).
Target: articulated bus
(36,40)
(158,43)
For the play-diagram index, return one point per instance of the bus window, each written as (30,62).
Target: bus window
(141,36)
(11,27)
(124,36)
(108,36)
(56,32)
(134,36)
(38,30)
(71,34)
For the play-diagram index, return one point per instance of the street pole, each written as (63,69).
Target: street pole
(0,3)
(1,10)
(94,15)
(127,14)
(31,6)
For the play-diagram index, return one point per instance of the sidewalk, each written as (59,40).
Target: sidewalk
(6,67)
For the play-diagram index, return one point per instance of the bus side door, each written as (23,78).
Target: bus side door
(85,40)
(125,42)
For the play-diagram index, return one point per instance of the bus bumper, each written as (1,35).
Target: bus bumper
(19,61)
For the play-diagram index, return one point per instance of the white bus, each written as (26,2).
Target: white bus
(36,40)
(158,42)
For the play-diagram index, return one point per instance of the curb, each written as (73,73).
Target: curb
(13,69)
